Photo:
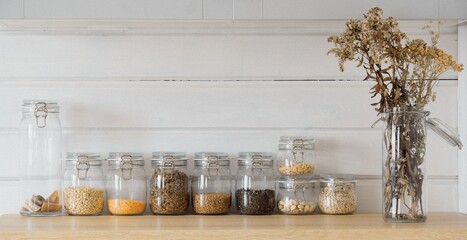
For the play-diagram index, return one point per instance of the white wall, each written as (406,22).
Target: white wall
(113,98)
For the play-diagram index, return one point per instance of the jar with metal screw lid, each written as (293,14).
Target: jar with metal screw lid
(296,156)
(169,185)
(298,196)
(255,193)
(84,184)
(338,194)
(126,183)
(211,183)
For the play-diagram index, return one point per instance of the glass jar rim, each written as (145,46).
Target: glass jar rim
(294,183)
(117,158)
(337,177)
(92,158)
(207,159)
(297,143)
(30,106)
(257,159)
(169,159)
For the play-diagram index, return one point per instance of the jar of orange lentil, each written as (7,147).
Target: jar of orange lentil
(126,184)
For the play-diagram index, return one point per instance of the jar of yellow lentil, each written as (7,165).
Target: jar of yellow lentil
(126,184)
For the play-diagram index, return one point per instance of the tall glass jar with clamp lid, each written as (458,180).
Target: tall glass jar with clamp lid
(255,193)
(296,156)
(298,196)
(126,183)
(84,184)
(211,183)
(169,185)
(41,149)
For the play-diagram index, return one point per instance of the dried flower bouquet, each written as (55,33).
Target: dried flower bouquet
(404,72)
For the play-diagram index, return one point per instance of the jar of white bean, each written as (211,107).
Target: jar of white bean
(298,196)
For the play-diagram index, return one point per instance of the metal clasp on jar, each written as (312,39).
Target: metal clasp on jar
(213,164)
(256,165)
(126,166)
(41,113)
(82,167)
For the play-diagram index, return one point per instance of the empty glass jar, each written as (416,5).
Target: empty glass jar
(169,185)
(296,156)
(41,149)
(255,193)
(84,184)
(126,183)
(211,183)
(298,196)
(338,195)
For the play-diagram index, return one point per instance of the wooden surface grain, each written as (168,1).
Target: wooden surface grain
(359,226)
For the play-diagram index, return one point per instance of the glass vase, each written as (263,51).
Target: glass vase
(404,178)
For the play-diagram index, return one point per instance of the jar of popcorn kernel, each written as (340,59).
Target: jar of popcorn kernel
(338,195)
(296,156)
(84,184)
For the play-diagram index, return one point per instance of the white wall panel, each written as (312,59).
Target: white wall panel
(113,9)
(205,57)
(248,9)
(9,198)
(11,9)
(218,9)
(315,9)
(213,104)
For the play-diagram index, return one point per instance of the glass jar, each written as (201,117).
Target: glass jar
(41,149)
(169,185)
(338,194)
(255,193)
(296,156)
(84,184)
(126,184)
(211,183)
(298,196)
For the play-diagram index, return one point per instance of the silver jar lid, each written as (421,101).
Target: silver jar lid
(332,178)
(298,183)
(119,158)
(169,159)
(32,105)
(212,159)
(255,159)
(296,143)
(40,109)
(83,162)
(93,159)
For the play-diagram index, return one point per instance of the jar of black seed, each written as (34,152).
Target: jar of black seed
(255,183)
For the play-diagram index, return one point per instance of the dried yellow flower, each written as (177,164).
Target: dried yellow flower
(405,71)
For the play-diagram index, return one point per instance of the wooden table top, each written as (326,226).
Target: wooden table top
(358,226)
